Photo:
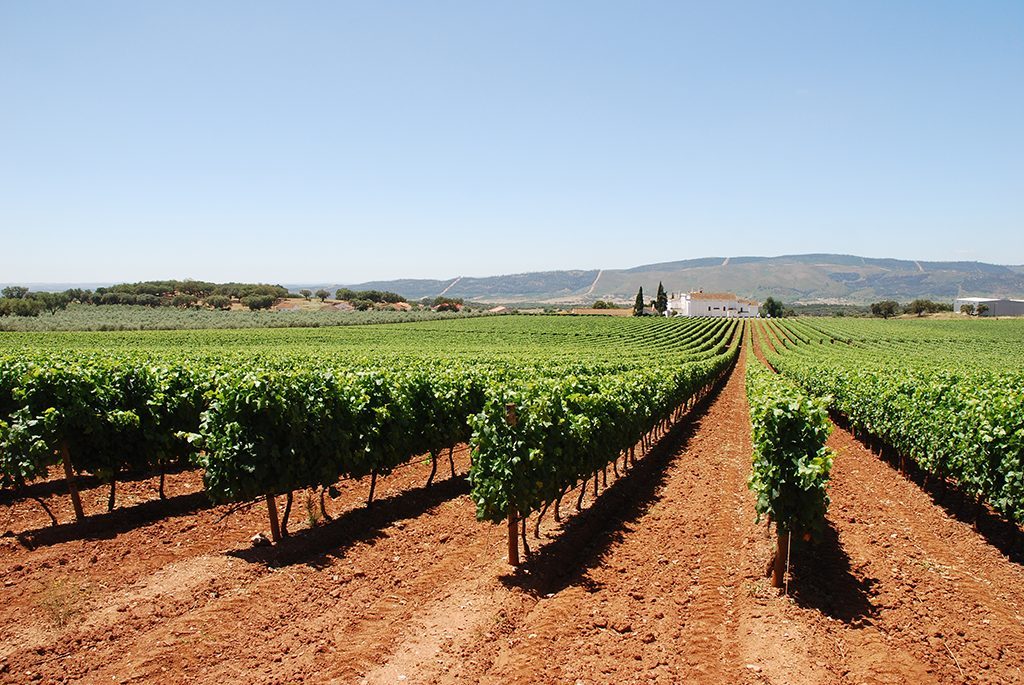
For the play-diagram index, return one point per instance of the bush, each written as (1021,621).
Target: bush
(920,307)
(20,307)
(255,302)
(361,305)
(348,295)
(15,292)
(773,309)
(219,302)
(885,308)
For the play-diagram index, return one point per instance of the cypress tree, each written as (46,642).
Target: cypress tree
(638,306)
(662,302)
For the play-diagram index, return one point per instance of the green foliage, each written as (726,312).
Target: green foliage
(907,383)
(638,305)
(885,308)
(773,308)
(830,310)
(51,302)
(271,412)
(79,317)
(791,462)
(306,293)
(78,295)
(322,294)
(602,304)
(921,306)
(257,302)
(166,290)
(445,304)
(222,302)
(661,303)
(347,295)
(570,426)
(109,415)
(10,306)
(14,292)
(361,305)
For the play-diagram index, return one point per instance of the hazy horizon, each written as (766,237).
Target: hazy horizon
(315,282)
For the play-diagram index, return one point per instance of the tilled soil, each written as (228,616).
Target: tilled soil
(660,580)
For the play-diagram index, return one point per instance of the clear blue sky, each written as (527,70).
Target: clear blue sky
(343,142)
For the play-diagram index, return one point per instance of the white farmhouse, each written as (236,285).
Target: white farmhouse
(700,303)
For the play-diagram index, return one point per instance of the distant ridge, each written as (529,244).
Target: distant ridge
(797,279)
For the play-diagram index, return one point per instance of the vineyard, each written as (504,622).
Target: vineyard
(947,398)
(318,504)
(274,415)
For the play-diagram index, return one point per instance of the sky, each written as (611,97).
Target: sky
(349,141)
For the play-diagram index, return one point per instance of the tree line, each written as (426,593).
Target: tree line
(20,301)
(191,294)
(890,308)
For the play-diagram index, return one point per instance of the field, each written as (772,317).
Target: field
(122,317)
(612,454)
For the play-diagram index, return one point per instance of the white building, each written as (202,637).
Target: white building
(996,306)
(701,303)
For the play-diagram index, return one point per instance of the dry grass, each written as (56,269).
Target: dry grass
(61,601)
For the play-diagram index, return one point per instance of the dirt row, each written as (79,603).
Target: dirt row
(660,579)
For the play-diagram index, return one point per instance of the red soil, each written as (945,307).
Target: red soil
(660,580)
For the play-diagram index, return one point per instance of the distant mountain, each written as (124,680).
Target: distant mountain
(797,279)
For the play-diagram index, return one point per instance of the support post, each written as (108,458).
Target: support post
(513,537)
(69,476)
(275,527)
(511,418)
(373,486)
(779,568)
(113,491)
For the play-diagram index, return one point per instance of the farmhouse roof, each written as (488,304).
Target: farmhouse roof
(987,299)
(701,295)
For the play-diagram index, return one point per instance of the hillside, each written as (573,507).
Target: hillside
(810,278)
(796,279)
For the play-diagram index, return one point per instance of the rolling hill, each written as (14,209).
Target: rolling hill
(798,279)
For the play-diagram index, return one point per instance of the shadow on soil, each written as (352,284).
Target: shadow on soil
(111,524)
(587,536)
(822,579)
(56,485)
(312,545)
(997,530)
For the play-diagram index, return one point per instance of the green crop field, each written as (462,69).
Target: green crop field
(948,395)
(266,412)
